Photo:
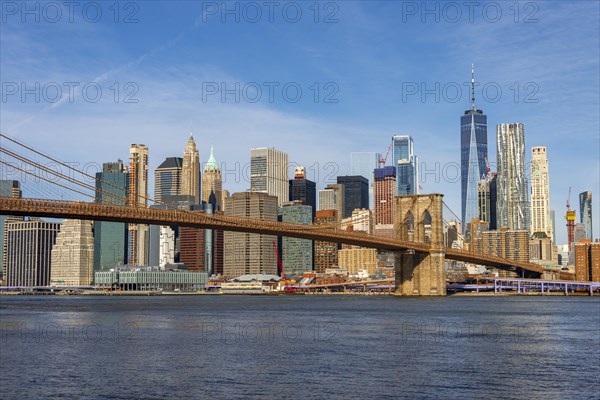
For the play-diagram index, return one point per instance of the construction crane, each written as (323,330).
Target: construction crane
(570,217)
(279,263)
(383,159)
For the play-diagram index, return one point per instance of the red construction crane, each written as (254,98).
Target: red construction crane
(279,263)
(570,217)
(569,199)
(383,159)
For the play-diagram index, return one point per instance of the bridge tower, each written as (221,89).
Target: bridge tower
(419,219)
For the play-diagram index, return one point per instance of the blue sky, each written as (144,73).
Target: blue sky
(170,55)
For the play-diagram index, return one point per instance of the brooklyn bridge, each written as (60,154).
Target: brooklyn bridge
(419,255)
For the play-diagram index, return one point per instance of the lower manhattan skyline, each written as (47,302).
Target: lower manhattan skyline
(299,199)
(209,93)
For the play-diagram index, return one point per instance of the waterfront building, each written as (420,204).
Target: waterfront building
(72,256)
(8,188)
(406,163)
(167,179)
(585,212)
(138,196)
(151,278)
(512,202)
(212,182)
(356,193)
(364,164)
(473,156)
(541,221)
(355,258)
(587,261)
(297,254)
(269,173)
(28,251)
(325,253)
(248,253)
(304,190)
(190,171)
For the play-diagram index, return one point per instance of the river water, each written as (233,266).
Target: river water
(261,347)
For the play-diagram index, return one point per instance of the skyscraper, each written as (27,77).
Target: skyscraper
(167,179)
(8,188)
(297,254)
(110,238)
(190,170)
(585,212)
(269,173)
(473,155)
(326,253)
(138,196)
(250,253)
(332,198)
(541,220)
(384,187)
(512,202)
(72,256)
(303,190)
(356,193)
(363,164)
(406,163)
(212,181)
(28,252)
(487,200)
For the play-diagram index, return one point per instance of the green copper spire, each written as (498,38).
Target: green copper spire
(211,164)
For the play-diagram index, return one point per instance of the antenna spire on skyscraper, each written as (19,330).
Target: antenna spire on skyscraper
(473,87)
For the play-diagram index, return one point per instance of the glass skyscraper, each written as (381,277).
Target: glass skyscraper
(473,156)
(110,238)
(406,163)
(585,212)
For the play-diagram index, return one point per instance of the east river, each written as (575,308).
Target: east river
(261,347)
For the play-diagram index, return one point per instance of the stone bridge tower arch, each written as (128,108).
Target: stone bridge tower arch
(420,274)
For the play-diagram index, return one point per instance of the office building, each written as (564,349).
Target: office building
(72,256)
(585,212)
(111,238)
(332,198)
(269,173)
(301,189)
(541,249)
(190,171)
(167,179)
(512,187)
(541,221)
(356,193)
(406,163)
(249,253)
(363,164)
(138,196)
(384,188)
(212,182)
(361,220)
(326,253)
(487,200)
(473,156)
(8,188)
(504,243)
(297,254)
(28,252)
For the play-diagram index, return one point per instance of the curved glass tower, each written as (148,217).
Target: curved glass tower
(473,156)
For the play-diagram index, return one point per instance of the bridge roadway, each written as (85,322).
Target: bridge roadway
(155,216)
